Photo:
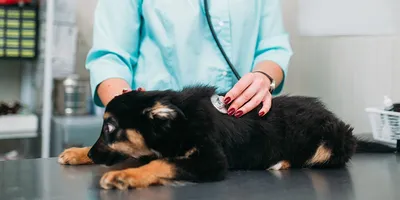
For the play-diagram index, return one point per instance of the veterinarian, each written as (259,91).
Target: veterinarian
(164,44)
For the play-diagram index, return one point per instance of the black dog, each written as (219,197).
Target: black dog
(184,137)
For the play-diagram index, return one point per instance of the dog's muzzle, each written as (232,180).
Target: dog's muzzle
(102,154)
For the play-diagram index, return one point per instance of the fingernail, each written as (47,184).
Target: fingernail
(140,89)
(227,100)
(261,113)
(125,90)
(231,111)
(239,114)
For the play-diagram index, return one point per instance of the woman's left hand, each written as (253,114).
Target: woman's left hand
(251,90)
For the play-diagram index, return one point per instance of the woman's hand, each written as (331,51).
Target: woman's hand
(251,90)
(125,90)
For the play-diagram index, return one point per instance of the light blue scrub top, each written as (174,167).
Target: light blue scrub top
(167,44)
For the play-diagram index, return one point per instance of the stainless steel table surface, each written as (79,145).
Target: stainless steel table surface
(368,176)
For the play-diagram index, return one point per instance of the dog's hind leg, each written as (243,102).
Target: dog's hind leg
(333,153)
(75,156)
(321,156)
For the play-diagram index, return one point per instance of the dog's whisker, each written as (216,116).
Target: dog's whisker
(156,153)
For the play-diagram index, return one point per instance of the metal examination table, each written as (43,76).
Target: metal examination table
(369,176)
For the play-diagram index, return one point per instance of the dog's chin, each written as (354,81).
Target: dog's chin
(118,157)
(112,159)
(109,162)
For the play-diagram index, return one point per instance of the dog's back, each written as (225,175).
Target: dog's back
(297,130)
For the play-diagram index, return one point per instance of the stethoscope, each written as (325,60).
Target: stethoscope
(217,41)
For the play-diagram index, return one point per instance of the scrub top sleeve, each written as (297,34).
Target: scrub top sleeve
(116,33)
(273,41)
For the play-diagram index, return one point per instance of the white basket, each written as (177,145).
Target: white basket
(385,125)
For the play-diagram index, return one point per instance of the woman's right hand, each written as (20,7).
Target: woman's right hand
(125,90)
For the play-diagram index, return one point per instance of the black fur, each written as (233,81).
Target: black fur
(292,130)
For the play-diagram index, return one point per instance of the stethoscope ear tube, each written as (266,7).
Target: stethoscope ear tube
(217,41)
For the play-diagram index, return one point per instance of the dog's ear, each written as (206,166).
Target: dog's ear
(163,111)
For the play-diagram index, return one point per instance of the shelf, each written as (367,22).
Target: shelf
(17,135)
(18,126)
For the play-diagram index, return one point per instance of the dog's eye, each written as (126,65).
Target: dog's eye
(109,128)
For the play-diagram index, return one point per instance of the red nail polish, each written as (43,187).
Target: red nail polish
(124,91)
(239,114)
(261,113)
(227,100)
(231,111)
(140,89)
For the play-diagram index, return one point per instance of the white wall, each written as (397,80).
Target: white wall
(85,25)
(348,73)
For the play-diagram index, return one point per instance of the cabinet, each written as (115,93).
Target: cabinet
(37,74)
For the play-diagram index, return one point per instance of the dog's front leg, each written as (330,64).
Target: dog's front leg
(199,166)
(75,156)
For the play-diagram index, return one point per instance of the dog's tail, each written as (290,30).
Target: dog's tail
(357,144)
(365,146)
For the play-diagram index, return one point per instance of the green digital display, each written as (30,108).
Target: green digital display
(18,32)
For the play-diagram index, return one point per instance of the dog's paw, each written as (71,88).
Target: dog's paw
(129,178)
(74,156)
(282,165)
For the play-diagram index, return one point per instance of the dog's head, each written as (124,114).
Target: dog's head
(135,125)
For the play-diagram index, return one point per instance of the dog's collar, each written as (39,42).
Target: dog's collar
(217,102)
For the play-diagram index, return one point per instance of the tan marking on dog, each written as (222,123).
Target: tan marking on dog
(161,110)
(190,152)
(322,155)
(136,138)
(156,172)
(106,115)
(123,147)
(75,156)
(158,105)
(135,146)
(285,165)
(282,165)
